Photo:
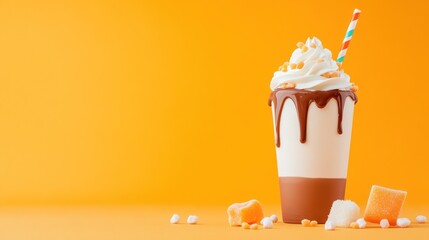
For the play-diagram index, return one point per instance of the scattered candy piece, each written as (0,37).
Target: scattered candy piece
(192,219)
(330,74)
(250,212)
(254,226)
(267,223)
(274,218)
(313,45)
(313,223)
(343,213)
(384,223)
(329,226)
(304,49)
(361,223)
(245,225)
(283,67)
(305,222)
(334,74)
(354,225)
(288,85)
(293,66)
(403,222)
(174,219)
(421,219)
(326,75)
(354,88)
(300,65)
(384,203)
(300,44)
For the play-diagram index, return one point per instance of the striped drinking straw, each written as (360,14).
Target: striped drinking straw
(348,36)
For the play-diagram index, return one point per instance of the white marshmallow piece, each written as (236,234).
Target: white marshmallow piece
(384,223)
(274,218)
(343,212)
(174,219)
(361,222)
(403,222)
(329,226)
(267,223)
(192,219)
(263,219)
(421,219)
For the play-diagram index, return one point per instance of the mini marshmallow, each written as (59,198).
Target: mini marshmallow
(384,223)
(403,222)
(263,219)
(174,219)
(274,218)
(361,223)
(267,223)
(329,226)
(192,219)
(421,219)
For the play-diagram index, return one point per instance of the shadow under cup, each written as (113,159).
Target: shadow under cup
(313,133)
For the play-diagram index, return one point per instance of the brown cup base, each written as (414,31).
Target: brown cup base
(309,198)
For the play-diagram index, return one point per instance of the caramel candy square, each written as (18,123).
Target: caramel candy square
(384,203)
(249,212)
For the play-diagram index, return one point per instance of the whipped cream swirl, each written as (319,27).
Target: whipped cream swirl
(318,71)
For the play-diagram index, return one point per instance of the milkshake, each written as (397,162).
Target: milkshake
(312,101)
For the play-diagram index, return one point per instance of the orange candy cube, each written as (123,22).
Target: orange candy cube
(384,203)
(249,212)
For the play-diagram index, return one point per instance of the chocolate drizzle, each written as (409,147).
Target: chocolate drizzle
(302,100)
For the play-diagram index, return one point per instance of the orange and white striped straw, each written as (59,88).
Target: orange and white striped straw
(348,37)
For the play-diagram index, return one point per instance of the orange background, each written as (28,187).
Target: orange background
(120,102)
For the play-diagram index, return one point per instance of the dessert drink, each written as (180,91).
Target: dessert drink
(312,101)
